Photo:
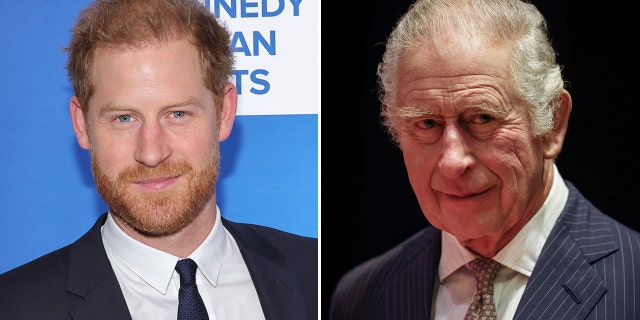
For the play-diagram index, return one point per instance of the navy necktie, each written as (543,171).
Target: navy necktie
(190,305)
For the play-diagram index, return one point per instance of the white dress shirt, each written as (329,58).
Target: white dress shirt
(456,286)
(150,284)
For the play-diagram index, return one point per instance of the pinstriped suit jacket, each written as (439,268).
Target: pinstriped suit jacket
(589,268)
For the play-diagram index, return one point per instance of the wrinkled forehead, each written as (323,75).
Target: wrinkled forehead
(446,63)
(454,74)
(456,53)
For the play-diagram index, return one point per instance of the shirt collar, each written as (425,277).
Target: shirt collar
(156,267)
(522,252)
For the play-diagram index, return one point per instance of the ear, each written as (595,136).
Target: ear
(79,123)
(553,142)
(228,111)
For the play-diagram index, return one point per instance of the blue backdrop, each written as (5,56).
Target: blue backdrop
(269,167)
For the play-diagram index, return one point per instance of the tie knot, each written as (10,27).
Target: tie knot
(485,270)
(187,270)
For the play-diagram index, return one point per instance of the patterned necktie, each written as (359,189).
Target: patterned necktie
(482,307)
(190,305)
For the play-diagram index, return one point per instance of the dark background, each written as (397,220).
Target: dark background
(367,203)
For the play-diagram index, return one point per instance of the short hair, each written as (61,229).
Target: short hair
(133,23)
(535,76)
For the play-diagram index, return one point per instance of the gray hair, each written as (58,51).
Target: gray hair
(535,77)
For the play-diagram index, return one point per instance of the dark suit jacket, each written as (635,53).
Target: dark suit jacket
(77,282)
(589,268)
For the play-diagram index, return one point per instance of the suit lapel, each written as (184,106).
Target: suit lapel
(91,277)
(563,283)
(423,256)
(405,276)
(275,286)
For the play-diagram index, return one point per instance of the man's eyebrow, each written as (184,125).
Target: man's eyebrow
(113,107)
(409,112)
(184,102)
(412,112)
(492,108)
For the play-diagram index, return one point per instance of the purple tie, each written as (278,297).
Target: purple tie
(190,305)
(482,307)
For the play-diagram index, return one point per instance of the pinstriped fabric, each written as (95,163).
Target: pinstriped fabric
(396,285)
(589,268)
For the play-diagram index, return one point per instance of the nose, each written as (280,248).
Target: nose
(456,156)
(152,145)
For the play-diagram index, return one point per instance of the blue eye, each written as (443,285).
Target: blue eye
(179,114)
(124,118)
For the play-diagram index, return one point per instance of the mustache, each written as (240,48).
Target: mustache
(139,171)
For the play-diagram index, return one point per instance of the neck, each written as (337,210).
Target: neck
(183,242)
